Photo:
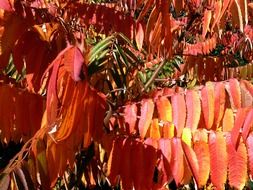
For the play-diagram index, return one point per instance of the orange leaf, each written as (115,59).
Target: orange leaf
(179,112)
(228,121)
(139,36)
(217,13)
(193,109)
(201,150)
(154,129)
(147,109)
(164,109)
(219,103)
(237,164)
(206,22)
(218,157)
(207,95)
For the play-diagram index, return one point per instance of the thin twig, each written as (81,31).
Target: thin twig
(153,77)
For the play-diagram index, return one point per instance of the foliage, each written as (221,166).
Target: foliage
(143,94)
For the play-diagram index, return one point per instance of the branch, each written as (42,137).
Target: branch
(154,75)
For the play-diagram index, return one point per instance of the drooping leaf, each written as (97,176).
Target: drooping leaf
(218,159)
(178,112)
(228,120)
(248,125)
(192,161)
(73,62)
(206,22)
(6,5)
(201,150)
(147,109)
(177,161)
(139,38)
(217,14)
(114,161)
(207,95)
(149,162)
(247,98)
(250,152)
(155,129)
(237,163)
(219,103)
(193,109)
(239,120)
(137,166)
(166,156)
(130,116)
(234,91)
(164,109)
(125,169)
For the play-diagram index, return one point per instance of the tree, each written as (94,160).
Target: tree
(121,94)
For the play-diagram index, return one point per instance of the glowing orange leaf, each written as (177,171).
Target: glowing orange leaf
(218,159)
(237,164)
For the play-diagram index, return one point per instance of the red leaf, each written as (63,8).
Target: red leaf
(130,116)
(149,162)
(248,85)
(234,91)
(218,157)
(177,161)
(6,5)
(219,103)
(237,164)
(192,161)
(179,112)
(250,152)
(73,61)
(248,125)
(193,109)
(164,165)
(239,120)
(247,98)
(137,165)
(147,109)
(125,169)
(207,95)
(114,161)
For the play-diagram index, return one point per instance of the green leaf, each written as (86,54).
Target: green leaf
(99,47)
